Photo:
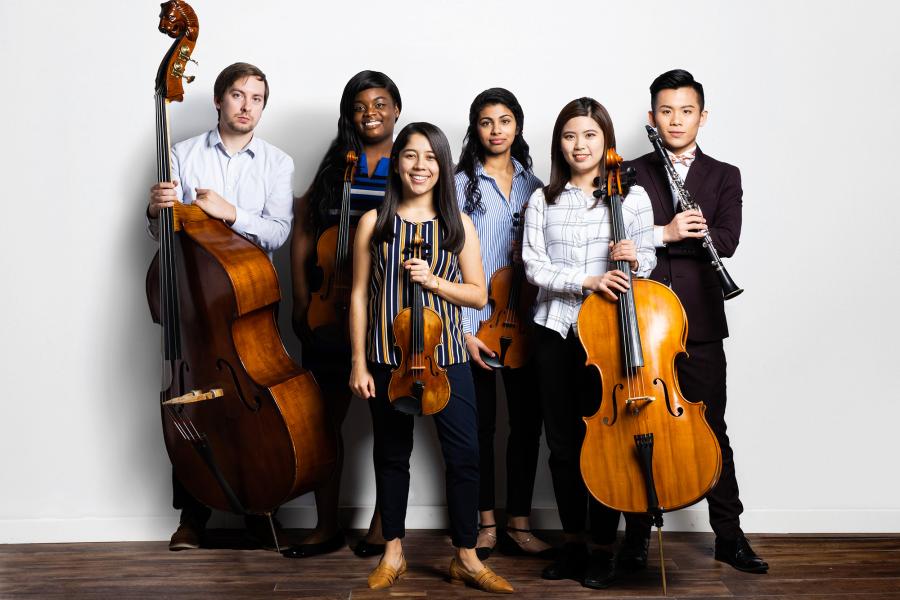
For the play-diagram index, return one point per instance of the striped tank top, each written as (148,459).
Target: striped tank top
(366,192)
(390,291)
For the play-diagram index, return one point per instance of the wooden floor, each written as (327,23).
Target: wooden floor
(803,567)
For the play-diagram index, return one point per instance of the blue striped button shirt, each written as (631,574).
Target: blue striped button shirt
(494,224)
(567,241)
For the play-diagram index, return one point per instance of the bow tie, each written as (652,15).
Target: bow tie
(685,159)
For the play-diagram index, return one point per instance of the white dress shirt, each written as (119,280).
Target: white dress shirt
(569,240)
(682,170)
(255,179)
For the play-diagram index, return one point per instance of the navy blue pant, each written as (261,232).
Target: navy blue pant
(457,427)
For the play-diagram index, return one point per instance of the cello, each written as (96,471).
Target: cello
(418,386)
(245,427)
(647,449)
(507,332)
(329,307)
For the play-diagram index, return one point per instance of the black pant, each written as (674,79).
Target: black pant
(522,446)
(701,376)
(457,427)
(192,510)
(569,391)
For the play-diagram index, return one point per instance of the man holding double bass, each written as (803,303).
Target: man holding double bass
(677,112)
(234,176)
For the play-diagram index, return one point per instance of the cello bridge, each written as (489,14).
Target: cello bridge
(634,405)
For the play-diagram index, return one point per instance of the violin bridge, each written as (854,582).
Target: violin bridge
(634,405)
(195,396)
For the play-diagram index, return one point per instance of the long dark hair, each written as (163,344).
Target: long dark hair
(324,191)
(473,150)
(444,194)
(560,172)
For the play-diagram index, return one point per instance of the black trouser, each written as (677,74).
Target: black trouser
(457,427)
(701,376)
(569,391)
(522,446)
(192,510)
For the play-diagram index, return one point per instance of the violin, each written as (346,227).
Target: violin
(418,386)
(508,331)
(647,449)
(245,427)
(329,307)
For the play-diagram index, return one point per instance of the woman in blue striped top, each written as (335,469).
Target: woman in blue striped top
(493,183)
(370,106)
(420,197)
(567,250)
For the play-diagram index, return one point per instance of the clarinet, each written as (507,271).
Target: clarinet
(729,287)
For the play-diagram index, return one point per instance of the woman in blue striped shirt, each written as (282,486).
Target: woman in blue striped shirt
(493,183)
(567,250)
(420,197)
(370,106)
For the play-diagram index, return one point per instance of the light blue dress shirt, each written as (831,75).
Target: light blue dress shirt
(494,225)
(256,180)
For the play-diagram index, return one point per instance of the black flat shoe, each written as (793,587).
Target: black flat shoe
(332,544)
(509,546)
(484,552)
(364,549)
(570,563)
(740,555)
(600,571)
(633,553)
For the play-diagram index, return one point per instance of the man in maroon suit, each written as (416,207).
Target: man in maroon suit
(677,103)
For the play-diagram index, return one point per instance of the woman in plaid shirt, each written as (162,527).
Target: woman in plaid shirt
(566,250)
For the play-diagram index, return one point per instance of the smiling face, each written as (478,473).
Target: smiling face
(678,118)
(417,167)
(374,115)
(497,128)
(582,145)
(241,106)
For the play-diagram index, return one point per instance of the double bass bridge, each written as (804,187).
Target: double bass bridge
(636,404)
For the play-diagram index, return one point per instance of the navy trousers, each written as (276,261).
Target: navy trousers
(457,427)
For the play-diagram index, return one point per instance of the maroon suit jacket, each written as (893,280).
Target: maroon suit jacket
(685,265)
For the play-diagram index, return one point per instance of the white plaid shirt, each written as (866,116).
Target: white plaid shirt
(567,241)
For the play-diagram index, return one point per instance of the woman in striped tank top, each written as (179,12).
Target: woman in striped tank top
(420,197)
(370,106)
(493,183)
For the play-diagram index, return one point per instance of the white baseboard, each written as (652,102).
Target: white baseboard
(127,529)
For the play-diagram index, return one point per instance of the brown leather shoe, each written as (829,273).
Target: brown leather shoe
(384,575)
(485,580)
(186,537)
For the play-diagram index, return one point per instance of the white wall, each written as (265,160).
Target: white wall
(800,96)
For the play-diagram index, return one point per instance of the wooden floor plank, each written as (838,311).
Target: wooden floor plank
(833,567)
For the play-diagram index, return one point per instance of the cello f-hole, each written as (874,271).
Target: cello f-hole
(665,388)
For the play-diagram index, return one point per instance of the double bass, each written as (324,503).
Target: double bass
(508,331)
(418,385)
(245,427)
(329,307)
(647,449)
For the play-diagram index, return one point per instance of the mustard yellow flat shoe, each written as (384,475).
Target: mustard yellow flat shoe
(485,580)
(384,575)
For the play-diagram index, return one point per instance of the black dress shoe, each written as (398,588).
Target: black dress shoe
(186,537)
(332,544)
(364,549)
(600,571)
(740,555)
(570,563)
(633,553)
